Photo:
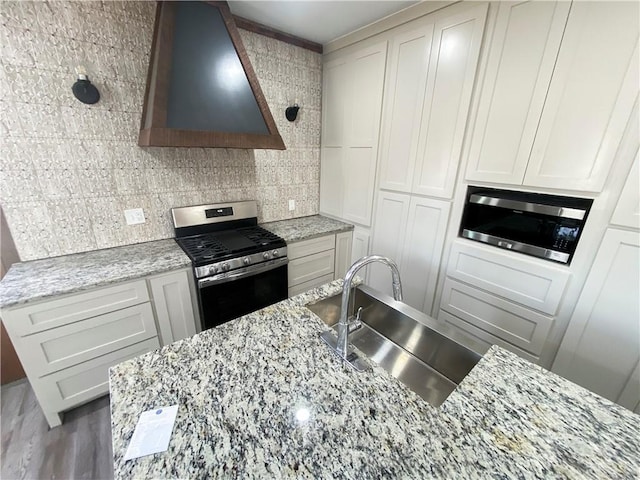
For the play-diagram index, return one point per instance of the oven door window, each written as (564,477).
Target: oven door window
(225,301)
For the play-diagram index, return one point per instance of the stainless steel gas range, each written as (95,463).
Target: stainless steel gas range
(239,267)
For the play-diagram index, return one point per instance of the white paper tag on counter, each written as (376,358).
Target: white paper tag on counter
(152,433)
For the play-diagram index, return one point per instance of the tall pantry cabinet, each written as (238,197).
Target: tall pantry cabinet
(428,81)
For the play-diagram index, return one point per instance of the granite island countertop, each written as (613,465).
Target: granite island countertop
(49,277)
(304,228)
(263,397)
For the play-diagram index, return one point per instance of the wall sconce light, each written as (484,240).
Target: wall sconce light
(83,89)
(292,112)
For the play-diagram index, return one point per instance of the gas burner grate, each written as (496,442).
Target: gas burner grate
(260,236)
(204,247)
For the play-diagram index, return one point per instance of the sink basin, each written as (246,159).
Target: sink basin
(429,358)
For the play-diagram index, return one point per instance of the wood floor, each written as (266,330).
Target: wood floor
(79,449)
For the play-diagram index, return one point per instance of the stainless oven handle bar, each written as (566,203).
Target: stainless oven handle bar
(517,246)
(242,272)
(563,212)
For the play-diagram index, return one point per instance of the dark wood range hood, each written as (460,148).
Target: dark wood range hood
(201,89)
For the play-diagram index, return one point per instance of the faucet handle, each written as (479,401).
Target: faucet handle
(354,322)
(357,316)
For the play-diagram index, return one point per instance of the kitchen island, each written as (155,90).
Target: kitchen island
(263,397)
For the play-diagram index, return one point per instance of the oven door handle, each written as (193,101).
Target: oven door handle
(242,272)
(564,212)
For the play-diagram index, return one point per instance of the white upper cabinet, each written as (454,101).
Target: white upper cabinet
(431,75)
(352,103)
(560,83)
(409,63)
(627,212)
(523,51)
(594,86)
(452,68)
(335,94)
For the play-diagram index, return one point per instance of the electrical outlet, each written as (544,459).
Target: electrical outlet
(134,216)
(292,205)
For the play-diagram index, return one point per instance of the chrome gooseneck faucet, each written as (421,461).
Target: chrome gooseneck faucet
(341,344)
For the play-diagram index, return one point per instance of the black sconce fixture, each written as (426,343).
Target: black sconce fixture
(84,90)
(292,112)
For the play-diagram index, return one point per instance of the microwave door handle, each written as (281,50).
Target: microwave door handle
(564,212)
(245,272)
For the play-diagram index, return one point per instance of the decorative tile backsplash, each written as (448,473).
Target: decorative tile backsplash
(69,170)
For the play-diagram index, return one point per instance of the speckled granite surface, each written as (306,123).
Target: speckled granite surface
(304,228)
(39,279)
(262,397)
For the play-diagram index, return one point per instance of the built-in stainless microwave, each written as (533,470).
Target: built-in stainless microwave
(544,226)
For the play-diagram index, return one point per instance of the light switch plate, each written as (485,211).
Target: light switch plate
(292,205)
(134,216)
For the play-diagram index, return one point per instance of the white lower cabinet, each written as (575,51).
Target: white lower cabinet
(392,212)
(410,230)
(67,344)
(317,261)
(175,304)
(501,298)
(601,347)
(492,318)
(343,254)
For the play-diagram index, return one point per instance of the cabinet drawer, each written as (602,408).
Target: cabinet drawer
(303,287)
(62,347)
(512,323)
(481,336)
(311,246)
(84,382)
(72,308)
(506,274)
(312,266)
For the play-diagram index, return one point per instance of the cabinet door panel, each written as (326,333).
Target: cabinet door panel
(366,79)
(600,349)
(512,323)
(334,98)
(522,55)
(360,244)
(454,58)
(388,235)
(426,228)
(359,175)
(482,336)
(627,212)
(343,254)
(511,275)
(332,181)
(75,343)
(594,86)
(402,112)
(174,306)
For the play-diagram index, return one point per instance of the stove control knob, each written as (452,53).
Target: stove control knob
(225,267)
(275,253)
(265,255)
(246,260)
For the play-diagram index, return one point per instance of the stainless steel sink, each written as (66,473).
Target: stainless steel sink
(426,356)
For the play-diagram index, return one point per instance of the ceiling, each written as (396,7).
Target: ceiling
(318,21)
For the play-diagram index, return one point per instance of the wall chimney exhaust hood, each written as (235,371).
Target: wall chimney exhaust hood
(201,89)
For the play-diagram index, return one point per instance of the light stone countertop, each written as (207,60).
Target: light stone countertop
(40,279)
(49,277)
(304,228)
(262,397)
